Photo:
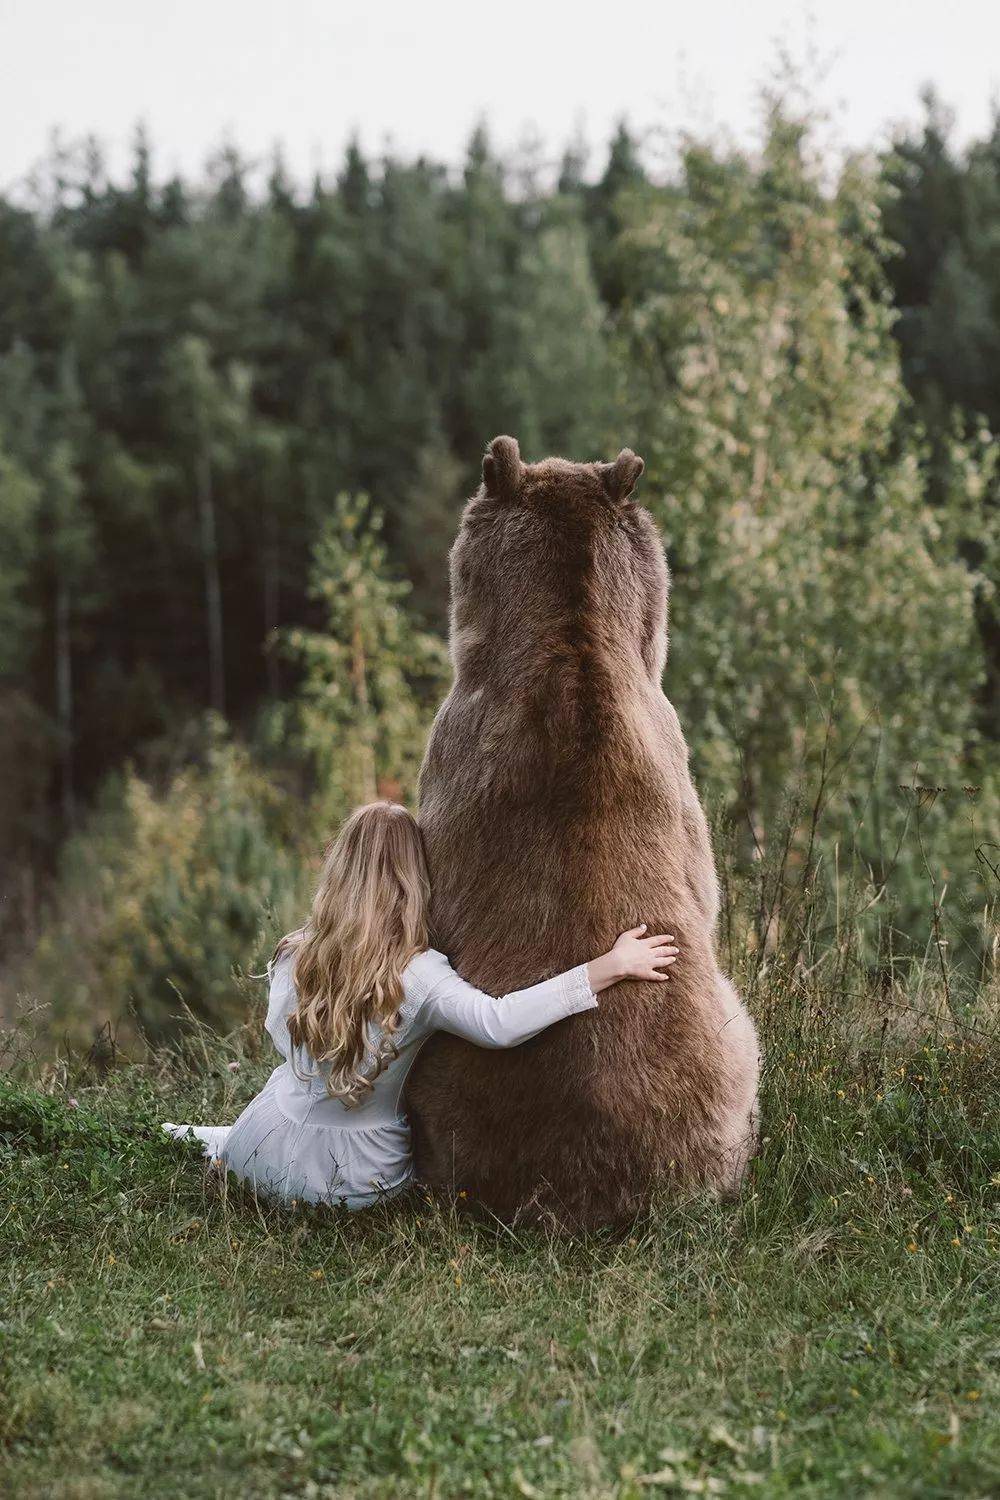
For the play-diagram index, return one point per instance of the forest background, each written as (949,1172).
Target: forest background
(238,419)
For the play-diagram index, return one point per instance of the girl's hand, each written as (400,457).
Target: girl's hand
(633,957)
(640,957)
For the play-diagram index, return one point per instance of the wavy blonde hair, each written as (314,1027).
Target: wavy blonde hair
(368,920)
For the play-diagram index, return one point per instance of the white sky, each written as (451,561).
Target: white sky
(309,72)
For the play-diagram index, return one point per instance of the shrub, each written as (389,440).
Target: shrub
(163,895)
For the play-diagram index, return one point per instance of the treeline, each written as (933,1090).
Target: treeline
(191,375)
(942,221)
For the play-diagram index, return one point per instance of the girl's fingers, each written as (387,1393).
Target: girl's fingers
(635,932)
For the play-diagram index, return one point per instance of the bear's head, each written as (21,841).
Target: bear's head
(552,556)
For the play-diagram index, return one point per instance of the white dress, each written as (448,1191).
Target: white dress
(293,1141)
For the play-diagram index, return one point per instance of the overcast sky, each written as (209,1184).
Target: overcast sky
(309,72)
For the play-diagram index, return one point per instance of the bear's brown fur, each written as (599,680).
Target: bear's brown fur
(558,810)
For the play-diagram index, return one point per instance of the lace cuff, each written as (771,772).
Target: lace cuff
(577,992)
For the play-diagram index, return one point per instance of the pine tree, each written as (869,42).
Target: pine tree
(208,414)
(43,433)
(370,679)
(623,176)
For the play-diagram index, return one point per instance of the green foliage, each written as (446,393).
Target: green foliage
(189,374)
(816,588)
(942,210)
(49,559)
(189,371)
(371,680)
(94,1148)
(20,501)
(561,345)
(165,893)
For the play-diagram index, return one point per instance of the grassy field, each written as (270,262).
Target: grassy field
(835,1333)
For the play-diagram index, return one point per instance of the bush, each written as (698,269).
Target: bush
(164,895)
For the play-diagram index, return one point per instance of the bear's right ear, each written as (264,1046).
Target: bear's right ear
(502,469)
(621,477)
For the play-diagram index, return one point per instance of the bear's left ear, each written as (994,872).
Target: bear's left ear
(502,469)
(621,477)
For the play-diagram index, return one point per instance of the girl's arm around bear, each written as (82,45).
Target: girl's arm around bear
(505,1021)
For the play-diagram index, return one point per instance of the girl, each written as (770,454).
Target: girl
(353,995)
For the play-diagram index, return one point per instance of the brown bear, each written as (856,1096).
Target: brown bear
(557,808)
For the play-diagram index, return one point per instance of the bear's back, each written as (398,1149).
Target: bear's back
(557,811)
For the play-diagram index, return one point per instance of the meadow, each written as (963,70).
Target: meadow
(831,1333)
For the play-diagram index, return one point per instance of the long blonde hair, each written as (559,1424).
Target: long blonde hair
(368,920)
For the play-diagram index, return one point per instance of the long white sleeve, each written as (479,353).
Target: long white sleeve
(281,1001)
(452,1005)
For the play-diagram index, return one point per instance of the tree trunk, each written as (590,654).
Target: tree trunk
(272,600)
(366,786)
(64,704)
(213,588)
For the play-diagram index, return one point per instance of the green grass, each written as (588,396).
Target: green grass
(835,1333)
